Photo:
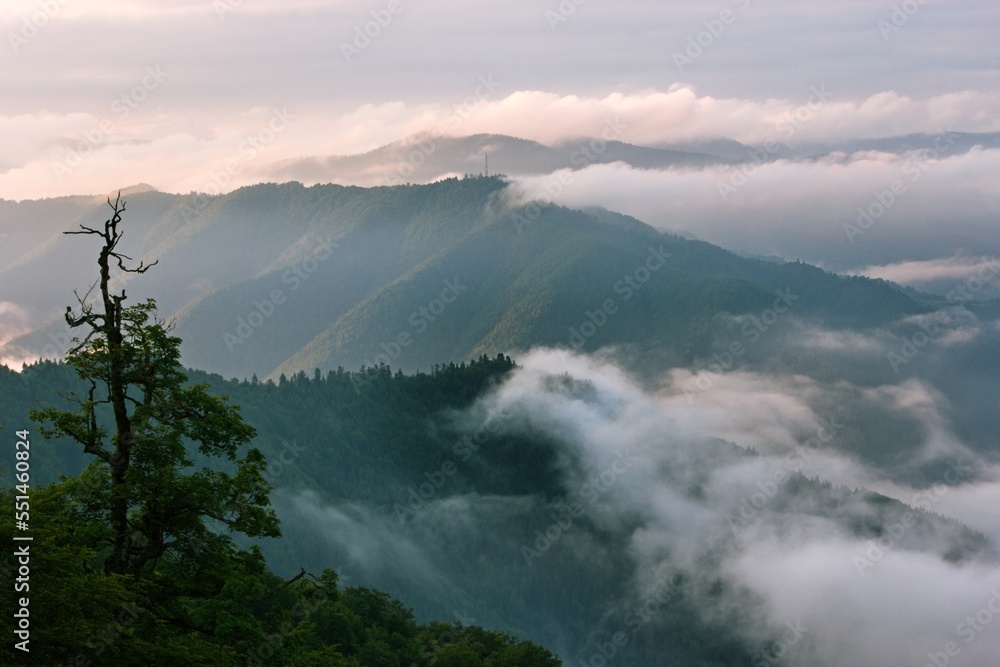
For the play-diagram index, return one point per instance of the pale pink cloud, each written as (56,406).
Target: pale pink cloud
(174,150)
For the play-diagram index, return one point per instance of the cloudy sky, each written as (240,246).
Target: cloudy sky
(101,94)
(104,93)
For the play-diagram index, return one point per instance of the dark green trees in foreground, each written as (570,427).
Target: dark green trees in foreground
(128,562)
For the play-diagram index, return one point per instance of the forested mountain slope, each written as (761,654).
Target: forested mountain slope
(403,482)
(275,279)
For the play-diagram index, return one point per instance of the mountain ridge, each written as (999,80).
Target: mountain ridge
(276,278)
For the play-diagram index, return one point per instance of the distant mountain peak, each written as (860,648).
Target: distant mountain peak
(130,190)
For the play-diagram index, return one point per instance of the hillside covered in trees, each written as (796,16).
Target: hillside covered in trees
(133,560)
(282,278)
(386,450)
(602,499)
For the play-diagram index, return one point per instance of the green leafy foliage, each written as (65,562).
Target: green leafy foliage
(129,564)
(216,606)
(137,483)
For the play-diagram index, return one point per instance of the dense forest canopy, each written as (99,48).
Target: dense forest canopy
(133,560)
(597,504)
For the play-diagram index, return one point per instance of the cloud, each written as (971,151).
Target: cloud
(161,9)
(174,150)
(553,84)
(14,320)
(661,493)
(956,267)
(681,114)
(801,567)
(913,605)
(917,400)
(959,267)
(976,504)
(843,341)
(815,210)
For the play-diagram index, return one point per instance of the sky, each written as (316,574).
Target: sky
(179,94)
(203,95)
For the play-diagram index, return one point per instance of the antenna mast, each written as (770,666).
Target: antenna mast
(487,165)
